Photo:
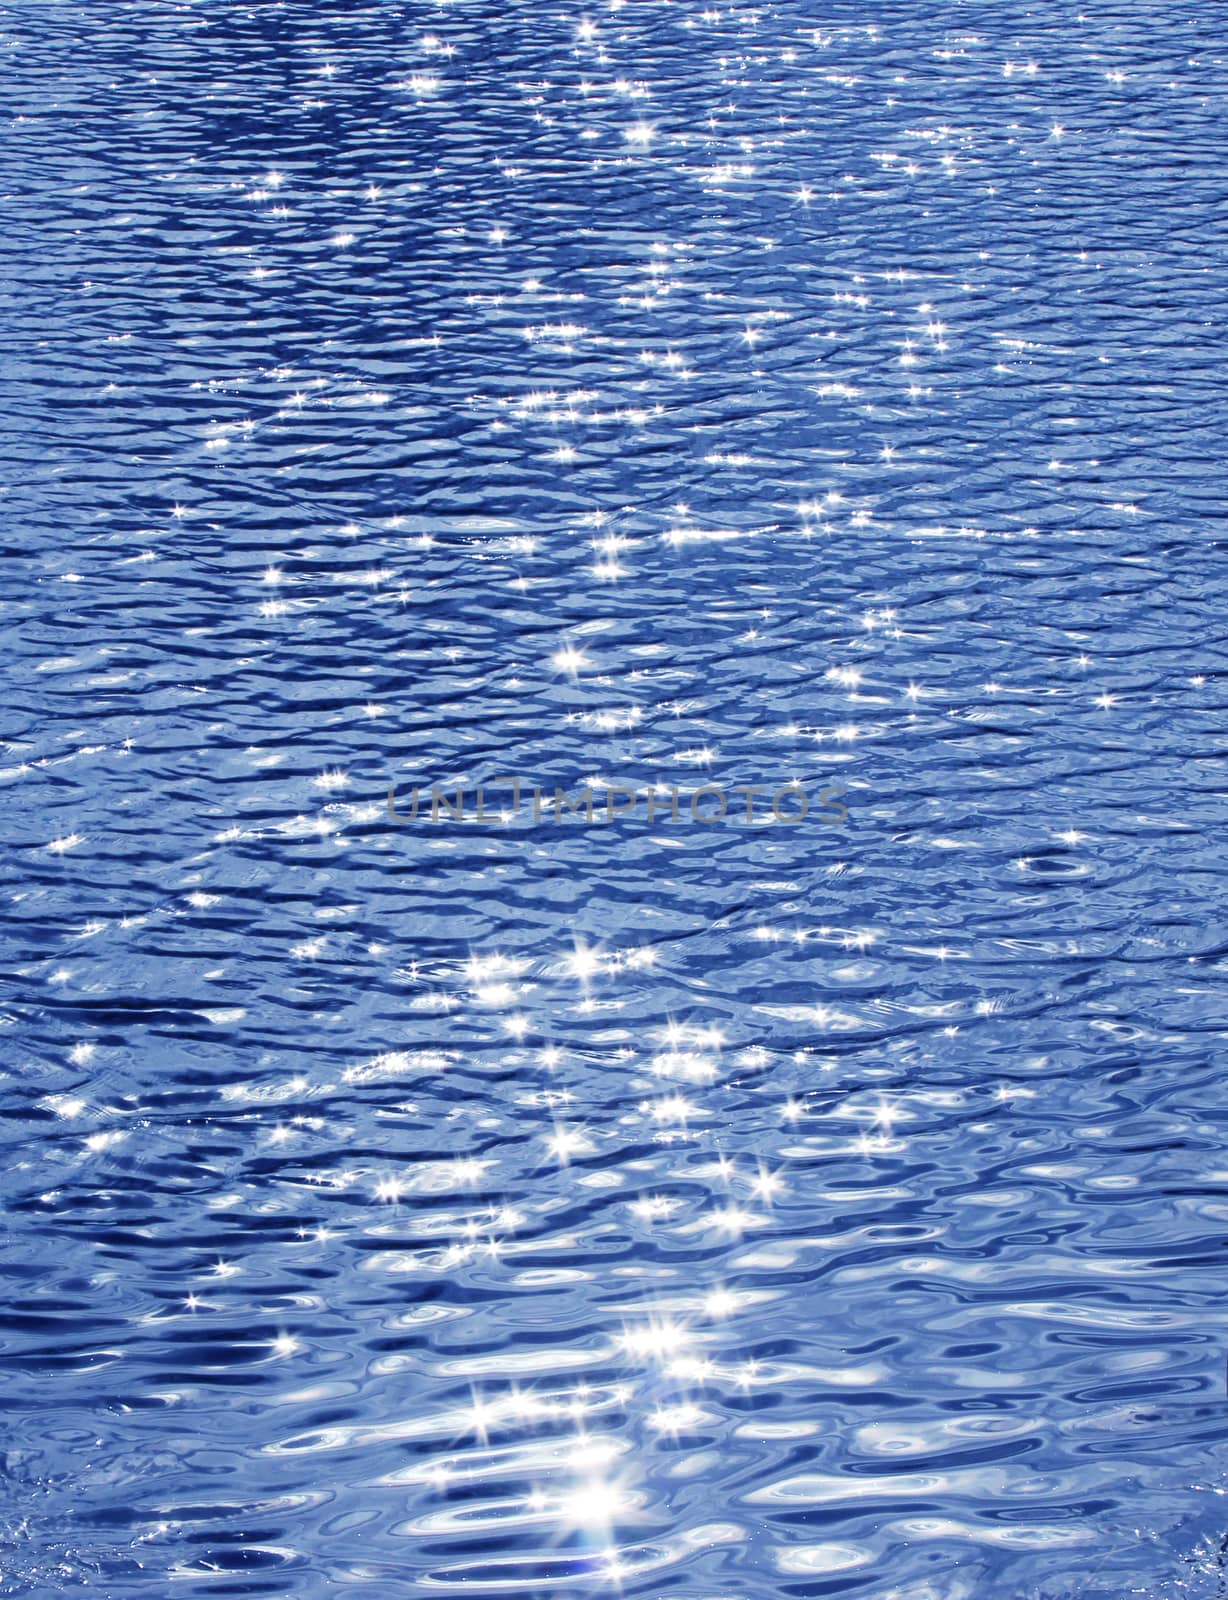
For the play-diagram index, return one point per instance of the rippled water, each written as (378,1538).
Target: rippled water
(409,394)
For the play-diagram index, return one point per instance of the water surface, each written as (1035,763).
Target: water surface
(658,394)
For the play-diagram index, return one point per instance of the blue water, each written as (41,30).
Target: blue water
(406,394)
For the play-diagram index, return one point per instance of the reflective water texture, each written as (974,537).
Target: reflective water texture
(658,393)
